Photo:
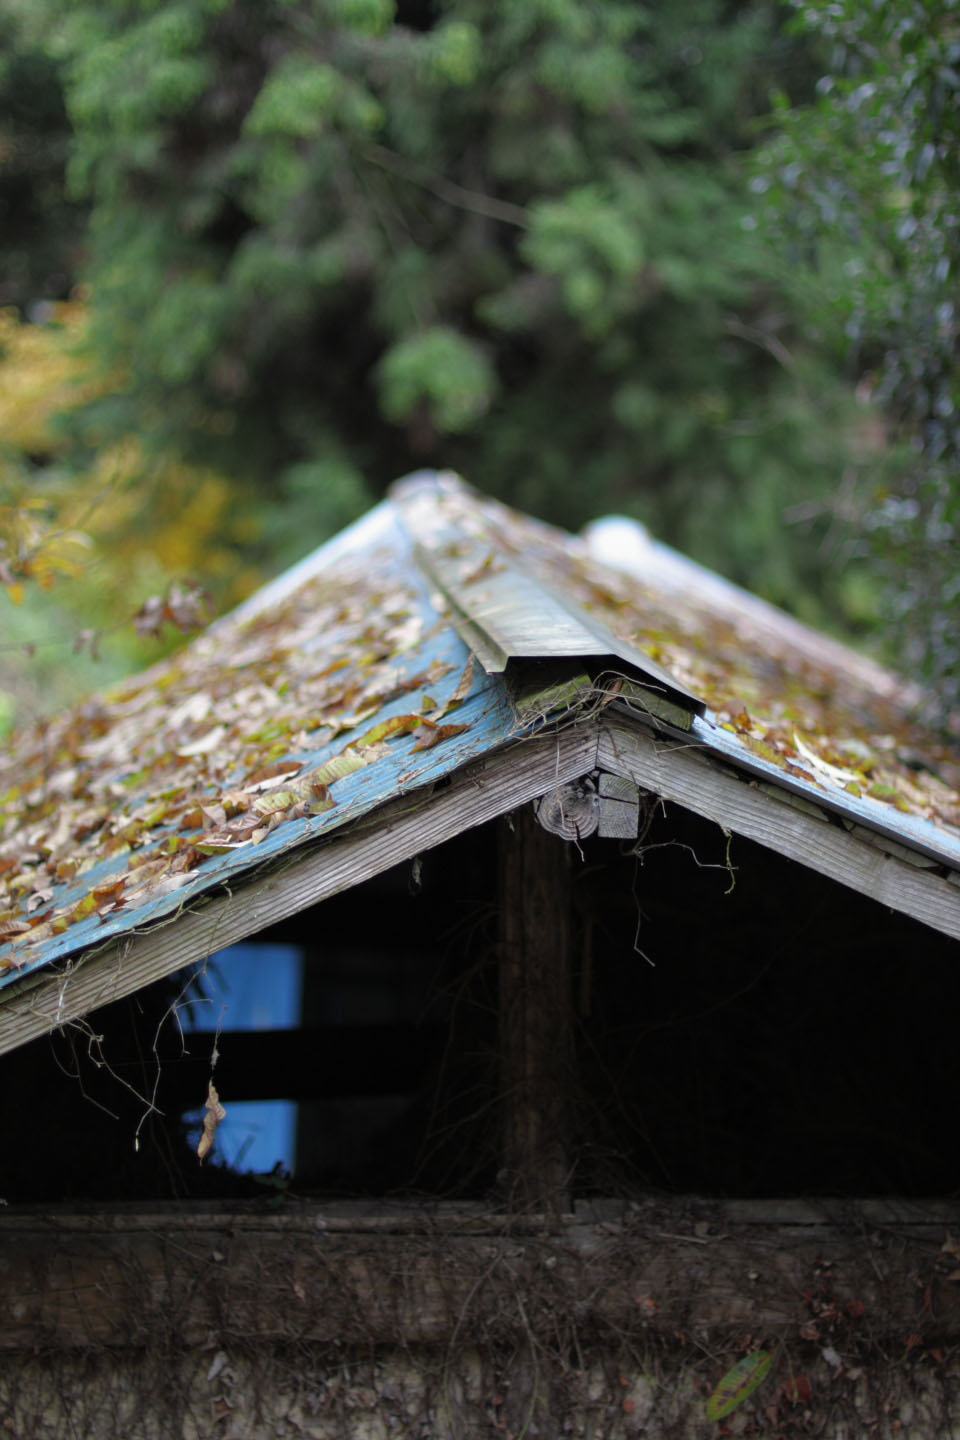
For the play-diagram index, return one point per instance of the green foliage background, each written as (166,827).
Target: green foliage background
(860,193)
(329,241)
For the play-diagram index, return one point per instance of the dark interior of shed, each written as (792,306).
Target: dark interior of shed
(743,1026)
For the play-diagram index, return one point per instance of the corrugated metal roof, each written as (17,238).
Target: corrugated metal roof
(348,681)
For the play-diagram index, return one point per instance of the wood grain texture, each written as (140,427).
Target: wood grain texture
(664,1266)
(677,772)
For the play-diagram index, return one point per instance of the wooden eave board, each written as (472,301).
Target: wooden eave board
(397,831)
(675,770)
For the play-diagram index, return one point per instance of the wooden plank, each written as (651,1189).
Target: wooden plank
(536,1036)
(669,1267)
(682,774)
(397,831)
(619,807)
(838,1211)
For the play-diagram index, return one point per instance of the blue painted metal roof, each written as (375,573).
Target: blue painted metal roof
(386,678)
(348,681)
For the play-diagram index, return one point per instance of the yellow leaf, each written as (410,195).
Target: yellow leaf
(738,1384)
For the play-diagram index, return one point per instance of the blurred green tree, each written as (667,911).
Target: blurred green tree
(331,240)
(861,192)
(41,228)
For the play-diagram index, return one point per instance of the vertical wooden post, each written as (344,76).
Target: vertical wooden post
(536,1036)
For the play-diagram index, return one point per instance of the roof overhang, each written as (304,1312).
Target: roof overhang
(671,767)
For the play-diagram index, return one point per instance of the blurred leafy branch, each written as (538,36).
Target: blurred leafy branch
(860,192)
(104,526)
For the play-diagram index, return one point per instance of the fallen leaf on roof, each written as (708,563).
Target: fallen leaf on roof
(339,766)
(822,768)
(429,734)
(195,708)
(154,888)
(275,800)
(386,730)
(205,744)
(268,775)
(9,928)
(460,692)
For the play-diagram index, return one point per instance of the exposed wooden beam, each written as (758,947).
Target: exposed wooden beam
(536,1034)
(677,771)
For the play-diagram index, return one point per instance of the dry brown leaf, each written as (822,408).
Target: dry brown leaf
(430,734)
(460,692)
(10,928)
(269,775)
(215,1113)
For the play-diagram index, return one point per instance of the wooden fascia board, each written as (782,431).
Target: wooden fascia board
(677,771)
(403,828)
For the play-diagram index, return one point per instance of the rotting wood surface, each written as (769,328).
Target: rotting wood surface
(676,1270)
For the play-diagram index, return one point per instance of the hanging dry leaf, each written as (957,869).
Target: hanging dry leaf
(215,1113)
(739,1383)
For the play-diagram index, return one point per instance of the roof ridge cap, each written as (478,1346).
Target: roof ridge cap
(505,614)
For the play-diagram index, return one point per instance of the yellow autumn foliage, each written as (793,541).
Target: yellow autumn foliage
(151,518)
(43,372)
(100,534)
